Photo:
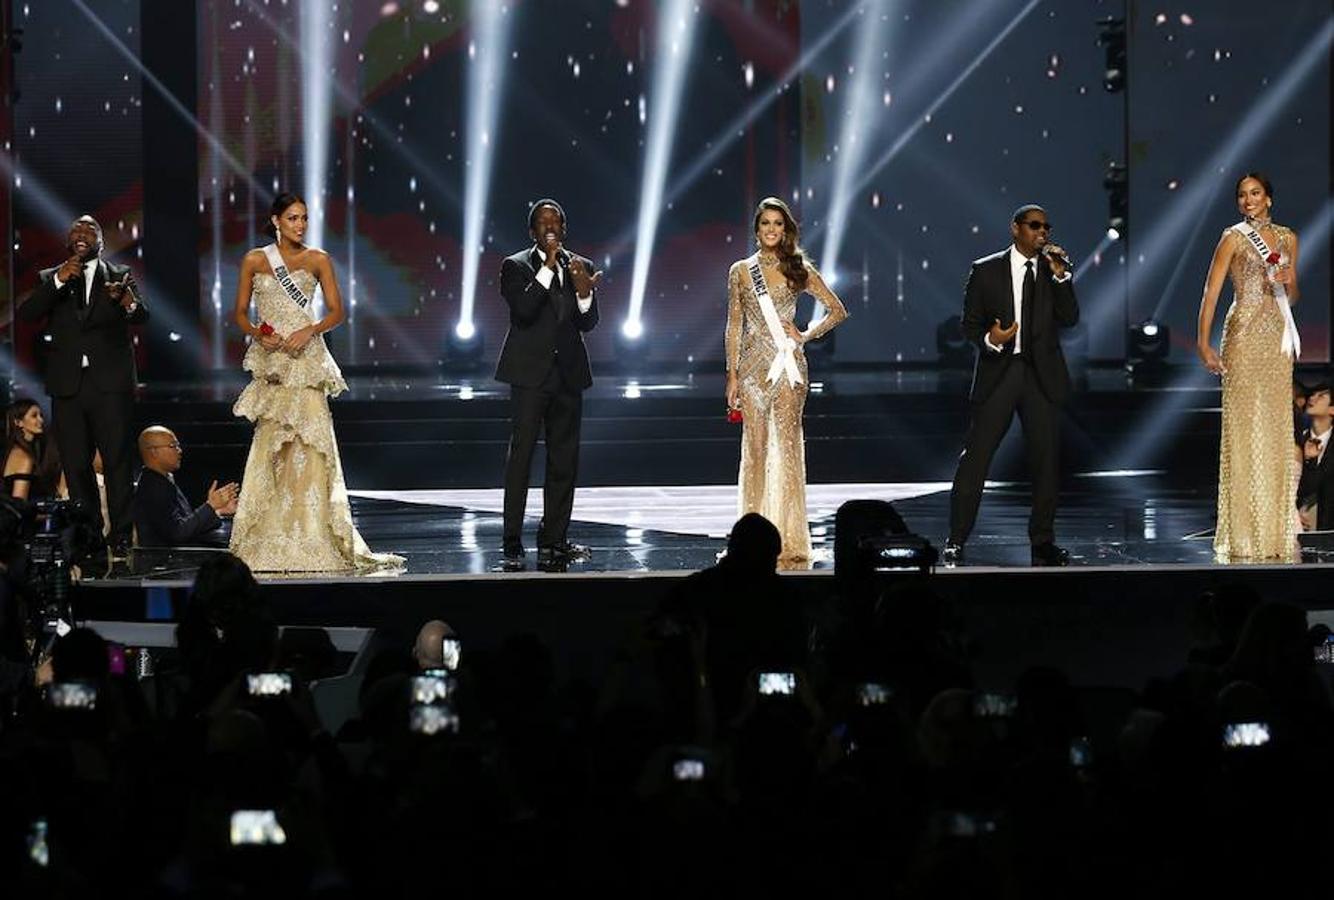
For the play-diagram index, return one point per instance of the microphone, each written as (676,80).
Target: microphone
(1051,254)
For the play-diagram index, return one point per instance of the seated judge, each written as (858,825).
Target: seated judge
(163,517)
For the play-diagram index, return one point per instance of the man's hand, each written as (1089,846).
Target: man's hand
(1002,336)
(223,499)
(583,282)
(1311,449)
(123,292)
(1055,259)
(71,268)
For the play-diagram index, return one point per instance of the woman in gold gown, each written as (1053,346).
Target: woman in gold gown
(1257,477)
(293,514)
(767,373)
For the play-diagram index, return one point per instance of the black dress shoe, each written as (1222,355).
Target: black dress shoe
(551,560)
(952,555)
(120,550)
(572,552)
(513,560)
(1049,554)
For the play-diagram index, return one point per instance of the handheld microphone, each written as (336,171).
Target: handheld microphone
(1057,255)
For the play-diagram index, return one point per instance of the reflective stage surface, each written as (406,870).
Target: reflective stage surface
(1111,519)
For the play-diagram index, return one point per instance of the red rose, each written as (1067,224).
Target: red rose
(1273,258)
(734,417)
(265,329)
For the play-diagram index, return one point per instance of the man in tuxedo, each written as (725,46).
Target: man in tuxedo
(90,304)
(1015,303)
(1315,491)
(552,302)
(163,517)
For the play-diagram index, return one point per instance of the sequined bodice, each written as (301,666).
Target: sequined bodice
(1249,273)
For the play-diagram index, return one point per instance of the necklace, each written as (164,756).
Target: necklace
(768,258)
(1257,222)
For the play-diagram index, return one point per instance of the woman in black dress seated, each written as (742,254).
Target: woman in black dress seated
(32,464)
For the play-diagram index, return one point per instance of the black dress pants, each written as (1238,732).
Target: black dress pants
(1018,390)
(556,409)
(93,419)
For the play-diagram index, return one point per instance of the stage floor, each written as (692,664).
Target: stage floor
(1106,520)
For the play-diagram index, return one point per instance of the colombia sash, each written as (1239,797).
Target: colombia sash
(284,277)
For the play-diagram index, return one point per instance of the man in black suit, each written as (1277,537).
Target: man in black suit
(1015,303)
(90,304)
(552,302)
(1316,488)
(162,515)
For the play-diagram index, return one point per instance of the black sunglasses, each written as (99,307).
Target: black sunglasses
(1039,226)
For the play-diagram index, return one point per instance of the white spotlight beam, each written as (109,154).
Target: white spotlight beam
(486,53)
(870,172)
(855,131)
(316,103)
(677,21)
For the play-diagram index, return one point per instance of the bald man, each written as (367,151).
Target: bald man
(429,650)
(162,515)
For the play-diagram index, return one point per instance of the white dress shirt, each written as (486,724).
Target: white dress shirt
(1017,265)
(1324,443)
(89,271)
(545,275)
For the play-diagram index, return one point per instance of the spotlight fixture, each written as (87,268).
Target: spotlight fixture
(1149,342)
(953,348)
(628,344)
(1112,39)
(464,348)
(1117,184)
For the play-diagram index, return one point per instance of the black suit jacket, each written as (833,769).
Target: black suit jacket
(545,324)
(1317,485)
(163,517)
(100,331)
(989,296)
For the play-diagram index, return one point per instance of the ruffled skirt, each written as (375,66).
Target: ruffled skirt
(293,514)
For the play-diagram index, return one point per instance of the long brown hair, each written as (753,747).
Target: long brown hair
(791,258)
(42,449)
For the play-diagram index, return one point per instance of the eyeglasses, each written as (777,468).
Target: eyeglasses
(175,445)
(1039,226)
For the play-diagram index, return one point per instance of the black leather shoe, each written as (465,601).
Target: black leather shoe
(1049,554)
(572,552)
(551,560)
(952,555)
(120,550)
(513,560)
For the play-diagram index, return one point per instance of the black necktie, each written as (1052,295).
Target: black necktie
(1026,313)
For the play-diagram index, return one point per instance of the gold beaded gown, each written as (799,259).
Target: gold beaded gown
(772,479)
(293,514)
(1257,478)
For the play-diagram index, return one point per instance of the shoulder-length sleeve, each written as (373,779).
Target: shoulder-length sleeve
(732,337)
(835,311)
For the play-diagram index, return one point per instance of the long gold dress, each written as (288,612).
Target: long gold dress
(293,514)
(772,480)
(1257,480)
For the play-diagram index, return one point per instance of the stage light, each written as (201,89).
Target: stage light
(861,114)
(1117,184)
(492,23)
(633,329)
(1149,342)
(677,20)
(463,349)
(1112,38)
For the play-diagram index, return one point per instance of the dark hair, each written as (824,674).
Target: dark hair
(1260,177)
(791,258)
(1320,387)
(545,201)
(1025,210)
(42,450)
(277,208)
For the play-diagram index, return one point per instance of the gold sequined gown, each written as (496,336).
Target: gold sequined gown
(1257,479)
(772,480)
(293,514)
